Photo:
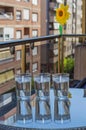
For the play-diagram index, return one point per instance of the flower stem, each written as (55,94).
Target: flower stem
(60,29)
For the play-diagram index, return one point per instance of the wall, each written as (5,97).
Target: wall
(80,62)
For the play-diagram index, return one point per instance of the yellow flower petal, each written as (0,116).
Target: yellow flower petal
(66,7)
(62,14)
(61,5)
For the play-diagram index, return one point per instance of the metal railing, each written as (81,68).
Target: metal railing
(36,39)
(31,41)
(21,63)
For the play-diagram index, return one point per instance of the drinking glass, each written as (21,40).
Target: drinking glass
(62,103)
(23,92)
(42,86)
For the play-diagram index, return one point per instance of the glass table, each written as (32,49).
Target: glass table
(77,114)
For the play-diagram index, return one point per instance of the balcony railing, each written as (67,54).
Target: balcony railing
(37,39)
(31,41)
(34,41)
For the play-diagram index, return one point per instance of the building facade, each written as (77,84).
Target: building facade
(80,51)
(73,26)
(50,48)
(21,19)
(18,19)
(84,17)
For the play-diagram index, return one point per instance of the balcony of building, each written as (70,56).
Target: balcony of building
(5,56)
(6,13)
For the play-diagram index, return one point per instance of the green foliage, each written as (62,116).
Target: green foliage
(68,65)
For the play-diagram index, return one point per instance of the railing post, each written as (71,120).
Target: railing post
(32,47)
(59,55)
(62,54)
(23,60)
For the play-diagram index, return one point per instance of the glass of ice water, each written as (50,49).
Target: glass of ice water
(23,92)
(62,103)
(42,86)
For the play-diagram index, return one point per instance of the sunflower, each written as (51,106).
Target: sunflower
(62,14)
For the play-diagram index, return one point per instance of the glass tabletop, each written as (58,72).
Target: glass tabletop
(77,113)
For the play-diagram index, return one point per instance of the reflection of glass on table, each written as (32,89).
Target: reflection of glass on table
(42,86)
(78,118)
(84,92)
(62,103)
(23,91)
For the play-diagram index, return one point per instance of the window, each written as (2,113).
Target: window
(55,51)
(34,17)
(18,15)
(34,2)
(56,25)
(34,51)
(59,1)
(26,0)
(35,67)
(27,67)
(18,55)
(7,36)
(26,14)
(1,35)
(18,34)
(34,33)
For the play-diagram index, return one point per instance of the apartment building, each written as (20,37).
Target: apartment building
(84,16)
(50,48)
(73,26)
(31,18)
(80,51)
(18,19)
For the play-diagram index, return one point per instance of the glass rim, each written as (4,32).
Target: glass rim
(23,74)
(61,74)
(39,74)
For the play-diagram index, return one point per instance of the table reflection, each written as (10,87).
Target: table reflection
(78,118)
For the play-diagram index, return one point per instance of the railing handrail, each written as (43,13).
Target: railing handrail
(36,39)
